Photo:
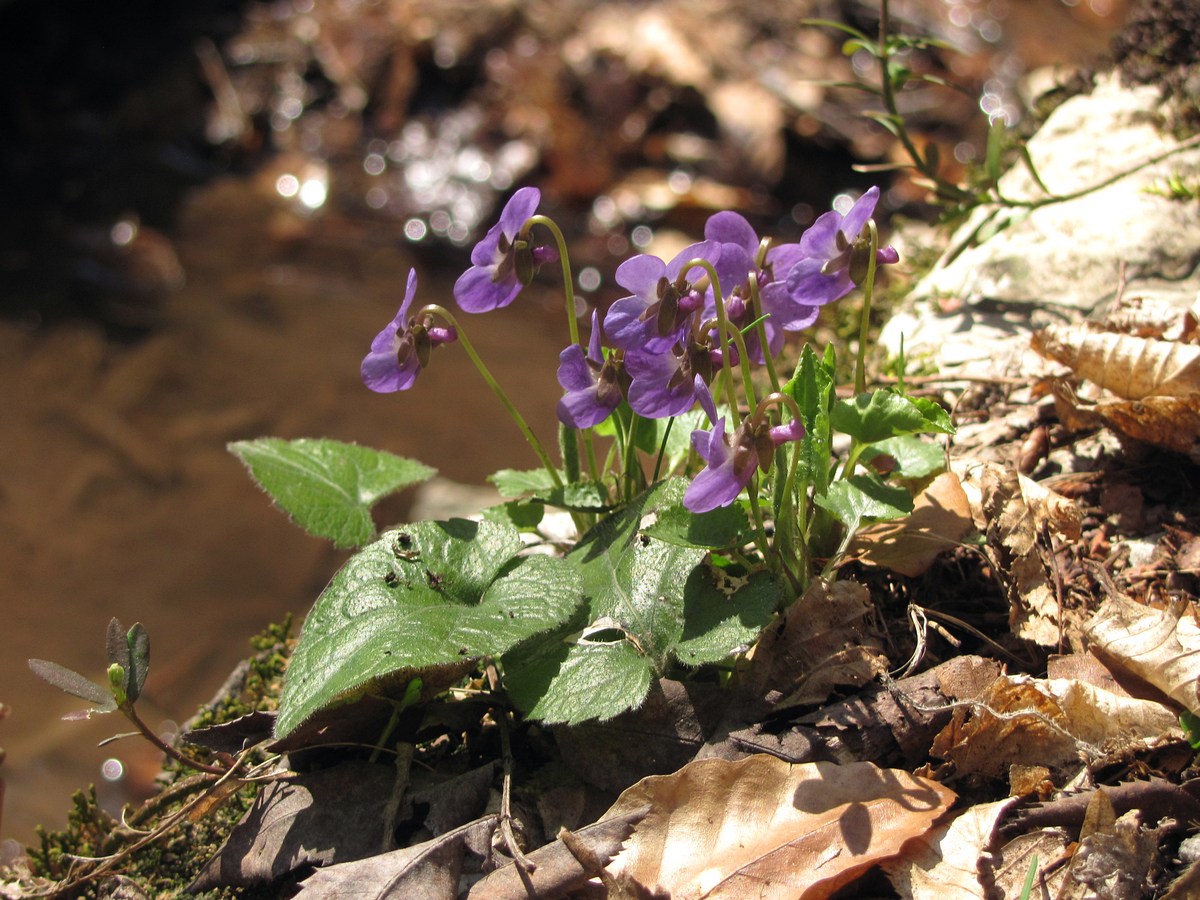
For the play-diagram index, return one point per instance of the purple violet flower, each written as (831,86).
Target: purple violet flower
(656,316)
(835,251)
(665,384)
(502,264)
(594,385)
(782,314)
(731,461)
(401,350)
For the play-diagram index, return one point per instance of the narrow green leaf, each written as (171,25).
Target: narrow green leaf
(328,487)
(840,26)
(71,682)
(995,147)
(430,595)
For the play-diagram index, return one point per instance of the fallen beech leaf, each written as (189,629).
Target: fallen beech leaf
(763,828)
(429,870)
(940,518)
(1158,647)
(944,862)
(331,815)
(557,870)
(1130,367)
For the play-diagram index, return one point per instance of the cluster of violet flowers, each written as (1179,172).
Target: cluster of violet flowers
(722,303)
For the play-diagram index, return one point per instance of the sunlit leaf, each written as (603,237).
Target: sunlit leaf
(76,685)
(433,594)
(328,487)
(759,827)
(884,414)
(649,603)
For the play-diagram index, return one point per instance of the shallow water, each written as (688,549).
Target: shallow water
(120,499)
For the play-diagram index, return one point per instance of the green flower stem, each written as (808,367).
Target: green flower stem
(761,326)
(662,448)
(483,370)
(565,259)
(860,368)
(572,320)
(722,331)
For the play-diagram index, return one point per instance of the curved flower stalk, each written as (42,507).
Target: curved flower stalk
(731,461)
(401,350)
(836,255)
(504,260)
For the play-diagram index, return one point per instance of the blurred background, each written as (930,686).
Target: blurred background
(208,208)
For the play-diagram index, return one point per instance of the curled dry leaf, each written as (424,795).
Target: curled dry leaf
(763,828)
(1130,367)
(1159,648)
(1017,512)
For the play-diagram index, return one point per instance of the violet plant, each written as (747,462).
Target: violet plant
(699,473)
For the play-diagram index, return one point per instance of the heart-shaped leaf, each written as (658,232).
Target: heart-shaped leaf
(649,604)
(328,487)
(434,594)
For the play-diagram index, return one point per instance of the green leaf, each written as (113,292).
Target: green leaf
(536,484)
(915,458)
(862,498)
(71,682)
(724,527)
(328,487)
(521,483)
(833,23)
(649,604)
(523,515)
(811,386)
(883,414)
(431,595)
(995,149)
(131,651)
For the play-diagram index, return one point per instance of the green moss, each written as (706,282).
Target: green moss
(166,866)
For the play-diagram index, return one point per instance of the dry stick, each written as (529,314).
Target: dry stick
(523,863)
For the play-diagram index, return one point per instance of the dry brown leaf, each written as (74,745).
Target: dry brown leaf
(1150,317)
(1130,367)
(1157,647)
(1017,512)
(824,643)
(943,864)
(763,828)
(940,518)
(1055,722)
(1113,862)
